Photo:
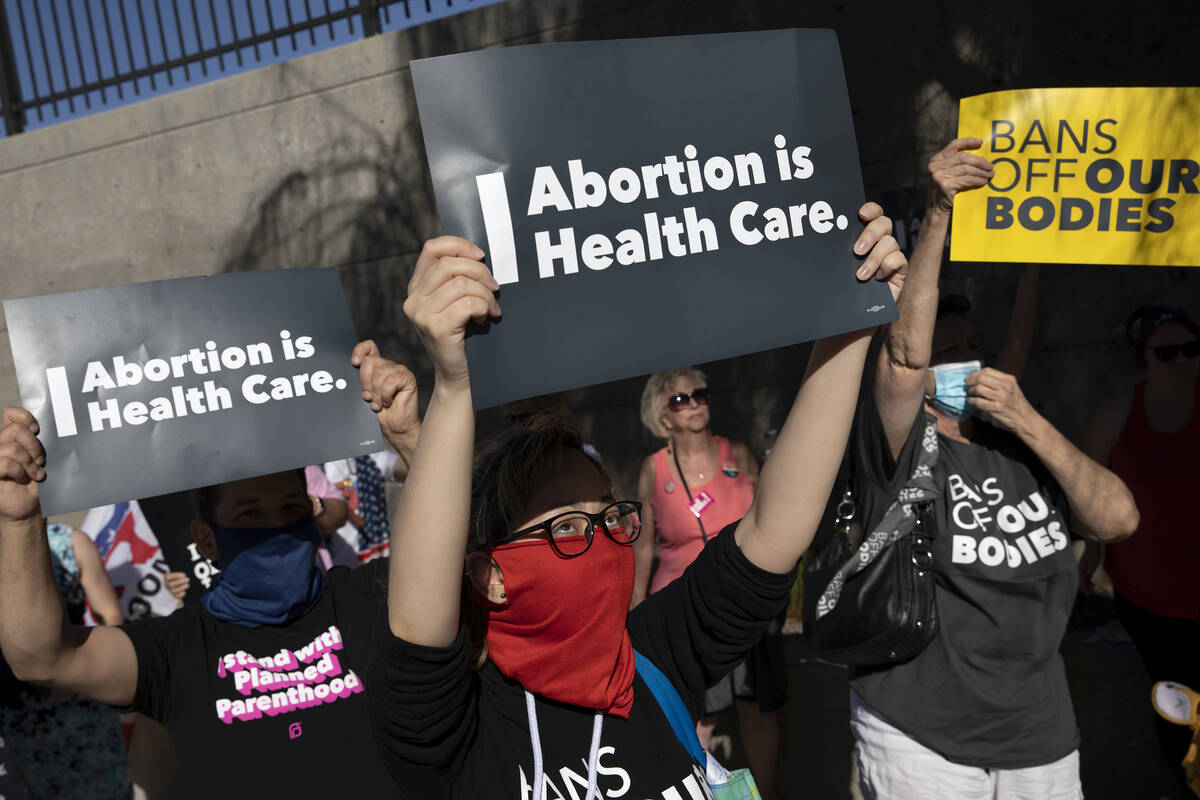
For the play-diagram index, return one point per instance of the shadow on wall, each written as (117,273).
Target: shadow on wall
(365,213)
(367,208)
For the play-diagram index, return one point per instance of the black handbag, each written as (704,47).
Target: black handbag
(872,602)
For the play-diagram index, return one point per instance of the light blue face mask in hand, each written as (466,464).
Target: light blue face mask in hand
(950,389)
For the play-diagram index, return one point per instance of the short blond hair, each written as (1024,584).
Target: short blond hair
(654,396)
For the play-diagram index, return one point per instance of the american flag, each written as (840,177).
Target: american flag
(132,558)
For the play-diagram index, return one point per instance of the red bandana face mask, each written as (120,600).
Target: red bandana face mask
(562,632)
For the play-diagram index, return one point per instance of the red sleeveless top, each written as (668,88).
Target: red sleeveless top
(725,498)
(1158,567)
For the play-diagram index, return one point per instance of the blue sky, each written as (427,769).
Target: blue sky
(53,48)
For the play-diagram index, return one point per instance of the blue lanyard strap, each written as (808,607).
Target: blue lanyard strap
(672,705)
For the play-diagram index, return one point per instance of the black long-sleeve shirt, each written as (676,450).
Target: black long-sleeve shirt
(446,731)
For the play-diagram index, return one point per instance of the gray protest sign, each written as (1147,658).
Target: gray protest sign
(649,203)
(157,387)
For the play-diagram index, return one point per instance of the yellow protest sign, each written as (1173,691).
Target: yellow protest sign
(1083,176)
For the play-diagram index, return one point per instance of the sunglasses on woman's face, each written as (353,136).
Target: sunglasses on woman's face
(1167,353)
(680,401)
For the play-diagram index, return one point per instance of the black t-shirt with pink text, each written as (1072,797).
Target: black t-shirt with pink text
(275,711)
(990,690)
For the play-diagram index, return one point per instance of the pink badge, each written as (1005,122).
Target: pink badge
(702,503)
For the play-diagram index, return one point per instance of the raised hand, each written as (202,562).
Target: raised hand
(998,395)
(449,288)
(884,261)
(177,584)
(391,389)
(952,170)
(22,464)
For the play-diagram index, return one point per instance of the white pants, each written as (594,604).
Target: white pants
(894,766)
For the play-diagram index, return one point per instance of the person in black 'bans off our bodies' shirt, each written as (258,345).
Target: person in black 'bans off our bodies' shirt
(262,688)
(544,683)
(984,711)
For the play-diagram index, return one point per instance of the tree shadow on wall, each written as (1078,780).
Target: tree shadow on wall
(365,212)
(366,204)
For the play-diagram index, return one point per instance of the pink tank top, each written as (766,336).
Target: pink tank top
(726,497)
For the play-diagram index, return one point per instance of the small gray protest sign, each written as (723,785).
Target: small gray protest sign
(157,387)
(648,203)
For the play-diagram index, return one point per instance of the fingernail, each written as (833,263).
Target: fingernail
(860,247)
(863,272)
(40,475)
(478,253)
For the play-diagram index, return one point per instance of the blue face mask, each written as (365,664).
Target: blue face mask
(269,576)
(950,392)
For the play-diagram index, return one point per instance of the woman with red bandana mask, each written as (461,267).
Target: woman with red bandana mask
(544,700)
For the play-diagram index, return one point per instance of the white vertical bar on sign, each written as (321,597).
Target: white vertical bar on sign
(60,401)
(497,223)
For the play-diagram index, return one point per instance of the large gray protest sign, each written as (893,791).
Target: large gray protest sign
(158,387)
(649,203)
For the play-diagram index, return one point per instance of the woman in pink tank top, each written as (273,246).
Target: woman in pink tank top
(715,488)
(690,491)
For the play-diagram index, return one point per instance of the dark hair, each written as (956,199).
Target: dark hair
(204,503)
(510,466)
(1145,320)
(205,499)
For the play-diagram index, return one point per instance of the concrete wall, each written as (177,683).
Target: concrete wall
(318,162)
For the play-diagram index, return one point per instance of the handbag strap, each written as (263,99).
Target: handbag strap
(900,519)
(672,706)
(683,480)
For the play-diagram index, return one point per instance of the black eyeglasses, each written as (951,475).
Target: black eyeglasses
(1169,352)
(680,401)
(570,533)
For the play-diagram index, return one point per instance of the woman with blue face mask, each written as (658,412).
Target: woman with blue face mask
(261,687)
(983,712)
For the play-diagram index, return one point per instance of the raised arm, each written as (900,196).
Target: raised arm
(38,642)
(904,358)
(644,546)
(1102,506)
(449,288)
(1100,434)
(330,509)
(781,522)
(1014,357)
(97,587)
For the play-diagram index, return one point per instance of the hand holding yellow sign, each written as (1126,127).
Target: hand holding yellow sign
(1083,176)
